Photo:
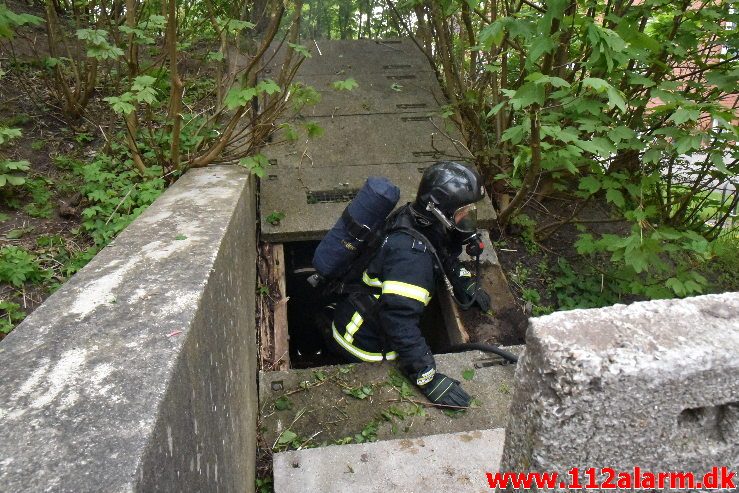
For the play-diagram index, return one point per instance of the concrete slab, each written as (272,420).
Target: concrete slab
(376,93)
(453,462)
(313,403)
(653,384)
(360,140)
(312,199)
(351,57)
(138,373)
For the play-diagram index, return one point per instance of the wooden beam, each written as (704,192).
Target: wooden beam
(456,331)
(279,310)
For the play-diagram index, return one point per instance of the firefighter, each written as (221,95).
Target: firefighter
(426,237)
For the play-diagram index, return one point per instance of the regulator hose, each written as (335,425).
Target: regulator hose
(487,348)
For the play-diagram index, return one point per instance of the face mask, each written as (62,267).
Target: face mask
(465,219)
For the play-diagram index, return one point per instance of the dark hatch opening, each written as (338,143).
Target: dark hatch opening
(306,314)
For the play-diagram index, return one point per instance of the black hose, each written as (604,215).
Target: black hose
(488,348)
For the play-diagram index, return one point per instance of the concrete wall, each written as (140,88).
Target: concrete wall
(139,374)
(653,384)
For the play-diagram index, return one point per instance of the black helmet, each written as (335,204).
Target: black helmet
(447,193)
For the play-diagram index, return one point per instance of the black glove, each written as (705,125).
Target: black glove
(446,391)
(482,299)
(465,287)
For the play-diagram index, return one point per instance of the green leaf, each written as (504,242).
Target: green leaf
(514,134)
(616,99)
(215,56)
(345,85)
(18,233)
(360,393)
(147,95)
(269,86)
(682,115)
(283,404)
(97,195)
(528,94)
(8,134)
(492,34)
(615,196)
(494,111)
(621,133)
(275,217)
(585,244)
(15,165)
(16,181)
(688,143)
(653,156)
(237,97)
(597,145)
(234,26)
(589,184)
(300,49)
(286,437)
(396,87)
(468,374)
(180,237)
(596,84)
(143,81)
(539,47)
(122,104)
(717,159)
(640,80)
(676,285)
(256,164)
(314,130)
(291,133)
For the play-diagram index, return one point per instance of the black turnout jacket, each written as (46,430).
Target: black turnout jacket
(401,279)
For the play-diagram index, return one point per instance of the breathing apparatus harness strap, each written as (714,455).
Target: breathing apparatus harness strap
(420,237)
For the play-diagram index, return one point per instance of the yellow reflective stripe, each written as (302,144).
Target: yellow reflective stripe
(408,290)
(352,327)
(363,355)
(371,281)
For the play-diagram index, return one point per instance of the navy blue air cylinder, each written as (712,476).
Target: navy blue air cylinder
(371,206)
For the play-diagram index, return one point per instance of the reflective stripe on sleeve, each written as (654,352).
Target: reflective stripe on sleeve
(353,326)
(371,281)
(408,290)
(359,353)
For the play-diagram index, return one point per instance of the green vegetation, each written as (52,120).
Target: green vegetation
(582,103)
(135,94)
(567,108)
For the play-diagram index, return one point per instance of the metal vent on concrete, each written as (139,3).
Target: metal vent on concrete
(331,196)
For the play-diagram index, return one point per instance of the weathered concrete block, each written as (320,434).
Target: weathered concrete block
(312,199)
(377,93)
(139,373)
(652,384)
(361,140)
(348,58)
(452,462)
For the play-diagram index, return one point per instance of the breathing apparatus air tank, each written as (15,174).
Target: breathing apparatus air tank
(363,217)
